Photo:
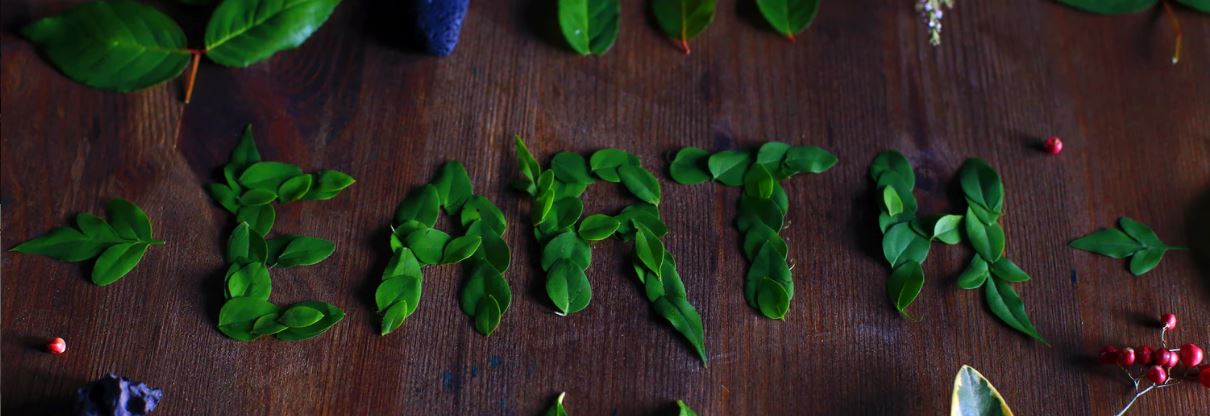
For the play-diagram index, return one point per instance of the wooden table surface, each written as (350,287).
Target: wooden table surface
(860,80)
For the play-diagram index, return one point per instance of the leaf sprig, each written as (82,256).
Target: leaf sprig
(566,254)
(769,286)
(1135,240)
(117,244)
(905,240)
(252,185)
(129,46)
(415,244)
(1119,7)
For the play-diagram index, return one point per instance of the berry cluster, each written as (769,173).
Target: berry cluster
(1159,365)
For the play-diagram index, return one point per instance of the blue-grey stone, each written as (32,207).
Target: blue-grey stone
(117,396)
(439,22)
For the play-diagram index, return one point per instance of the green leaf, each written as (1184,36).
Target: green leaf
(485,297)
(251,280)
(300,316)
(728,167)
(1108,242)
(245,153)
(605,163)
(557,409)
(771,154)
(901,244)
(295,188)
(260,218)
(116,261)
(570,168)
(327,184)
(788,17)
(598,227)
(479,208)
(63,243)
(689,166)
(428,245)
(891,201)
(568,287)
(758,182)
(566,212)
(753,211)
(641,183)
(128,220)
(423,205)
(566,246)
(453,186)
(460,249)
(768,264)
(590,26)
(96,228)
(237,316)
(685,319)
(904,285)
(1110,6)
(987,240)
(244,32)
(975,396)
(487,315)
(683,409)
(268,175)
(267,325)
(892,164)
(1008,271)
(331,315)
(118,45)
(683,19)
(303,251)
(946,229)
(772,299)
(1006,305)
(245,245)
(1145,260)
(982,185)
(255,197)
(809,159)
(394,316)
(1140,232)
(224,196)
(649,250)
(975,275)
(529,166)
(546,198)
(757,236)
(1199,5)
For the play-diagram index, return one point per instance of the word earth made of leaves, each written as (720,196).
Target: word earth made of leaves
(566,254)
(250,189)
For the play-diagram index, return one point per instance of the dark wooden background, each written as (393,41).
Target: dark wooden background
(862,79)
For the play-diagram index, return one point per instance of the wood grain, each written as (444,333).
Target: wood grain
(862,79)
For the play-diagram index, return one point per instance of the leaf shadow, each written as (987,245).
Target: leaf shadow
(748,12)
(541,19)
(1198,235)
(384,24)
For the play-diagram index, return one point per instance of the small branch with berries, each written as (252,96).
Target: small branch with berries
(1158,365)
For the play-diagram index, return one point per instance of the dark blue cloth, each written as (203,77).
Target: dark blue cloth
(117,396)
(439,22)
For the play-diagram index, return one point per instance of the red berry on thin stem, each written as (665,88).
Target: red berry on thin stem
(1053,145)
(1161,357)
(1168,321)
(1144,355)
(1173,359)
(1126,357)
(57,346)
(1157,374)
(1108,355)
(1191,355)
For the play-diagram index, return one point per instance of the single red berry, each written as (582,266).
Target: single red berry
(1204,377)
(1161,357)
(57,346)
(1168,321)
(1144,355)
(1191,355)
(1157,374)
(1126,357)
(1053,145)
(1174,358)
(1108,355)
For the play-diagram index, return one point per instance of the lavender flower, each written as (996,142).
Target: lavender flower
(116,396)
(930,10)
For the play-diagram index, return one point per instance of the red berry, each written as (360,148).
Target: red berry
(57,346)
(1168,321)
(1173,359)
(1204,377)
(1157,374)
(1161,357)
(1126,357)
(1191,355)
(1108,355)
(1144,355)
(1054,145)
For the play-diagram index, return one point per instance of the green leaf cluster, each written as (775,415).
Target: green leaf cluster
(905,242)
(1135,240)
(768,286)
(564,236)
(251,186)
(117,244)
(590,26)
(123,45)
(415,244)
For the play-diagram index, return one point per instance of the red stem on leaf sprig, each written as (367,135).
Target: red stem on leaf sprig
(1176,29)
(197,55)
(1158,366)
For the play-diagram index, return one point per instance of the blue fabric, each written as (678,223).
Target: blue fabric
(439,22)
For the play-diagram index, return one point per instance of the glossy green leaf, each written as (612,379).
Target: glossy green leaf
(570,168)
(460,249)
(557,409)
(986,239)
(590,26)
(237,316)
(891,201)
(453,186)
(729,167)
(1110,6)
(423,205)
(96,228)
(1199,5)
(598,227)
(685,319)
(1108,242)
(946,229)
(901,244)
(250,280)
(568,287)
(529,166)
(641,183)
(331,315)
(566,212)
(768,264)
(224,196)
(605,163)
(394,316)
(327,184)
(771,154)
(244,244)
(772,299)
(118,45)
(244,32)
(245,153)
(260,218)
(892,164)
(63,243)
(684,409)
(1140,232)
(116,261)
(566,246)
(295,188)
(757,236)
(300,316)
(650,250)
(904,285)
(1006,270)
(758,182)
(689,166)
(762,211)
(982,185)
(487,315)
(255,197)
(975,396)
(683,19)
(268,175)
(975,274)
(788,17)
(1145,260)
(485,297)
(808,159)
(479,208)
(304,251)
(428,245)
(128,220)
(1006,305)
